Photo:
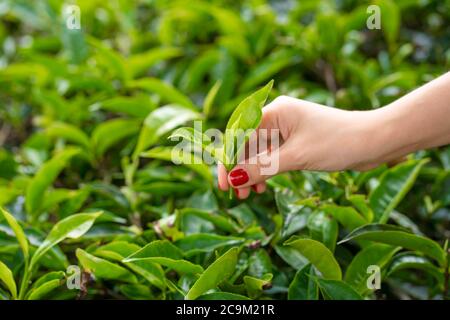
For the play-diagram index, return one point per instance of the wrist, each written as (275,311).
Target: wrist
(385,137)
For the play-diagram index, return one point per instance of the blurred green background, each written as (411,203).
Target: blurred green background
(93,89)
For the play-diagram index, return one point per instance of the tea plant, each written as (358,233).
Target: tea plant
(85,117)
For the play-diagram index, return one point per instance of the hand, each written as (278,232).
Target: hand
(314,137)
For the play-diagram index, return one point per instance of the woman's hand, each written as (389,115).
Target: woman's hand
(313,137)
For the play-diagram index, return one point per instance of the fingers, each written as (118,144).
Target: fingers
(259,187)
(258,169)
(222,175)
(241,193)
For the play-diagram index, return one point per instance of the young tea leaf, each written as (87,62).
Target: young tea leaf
(218,271)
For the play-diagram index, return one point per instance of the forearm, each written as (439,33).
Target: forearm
(419,120)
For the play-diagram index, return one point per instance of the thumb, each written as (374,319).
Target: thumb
(259,168)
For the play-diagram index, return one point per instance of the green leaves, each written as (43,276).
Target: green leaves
(376,254)
(104,269)
(7,278)
(44,178)
(390,20)
(319,256)
(161,121)
(68,132)
(71,227)
(303,286)
(166,254)
(218,271)
(166,91)
(46,284)
(242,122)
(111,132)
(397,236)
(393,186)
(246,116)
(18,231)
(84,122)
(196,243)
(337,290)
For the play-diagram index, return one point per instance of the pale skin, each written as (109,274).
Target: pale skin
(320,138)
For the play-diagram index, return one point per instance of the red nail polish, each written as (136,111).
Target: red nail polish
(236,192)
(238,177)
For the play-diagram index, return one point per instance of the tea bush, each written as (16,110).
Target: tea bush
(86,177)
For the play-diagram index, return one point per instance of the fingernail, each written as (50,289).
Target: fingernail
(236,192)
(238,177)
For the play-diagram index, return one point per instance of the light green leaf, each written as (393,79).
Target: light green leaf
(303,286)
(390,20)
(45,285)
(45,177)
(222,222)
(164,253)
(347,216)
(166,91)
(205,242)
(246,116)
(136,106)
(209,99)
(161,121)
(409,260)
(71,227)
(197,140)
(255,286)
(104,269)
(118,250)
(376,254)
(397,236)
(68,132)
(323,228)
(141,62)
(362,205)
(110,59)
(7,277)
(218,271)
(394,185)
(190,160)
(319,256)
(337,290)
(267,68)
(18,231)
(110,132)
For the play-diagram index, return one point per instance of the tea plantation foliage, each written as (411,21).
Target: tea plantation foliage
(86,178)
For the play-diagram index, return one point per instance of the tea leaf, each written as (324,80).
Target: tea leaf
(18,231)
(376,254)
(337,290)
(71,227)
(7,277)
(103,269)
(303,286)
(394,185)
(218,271)
(45,177)
(397,236)
(319,256)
